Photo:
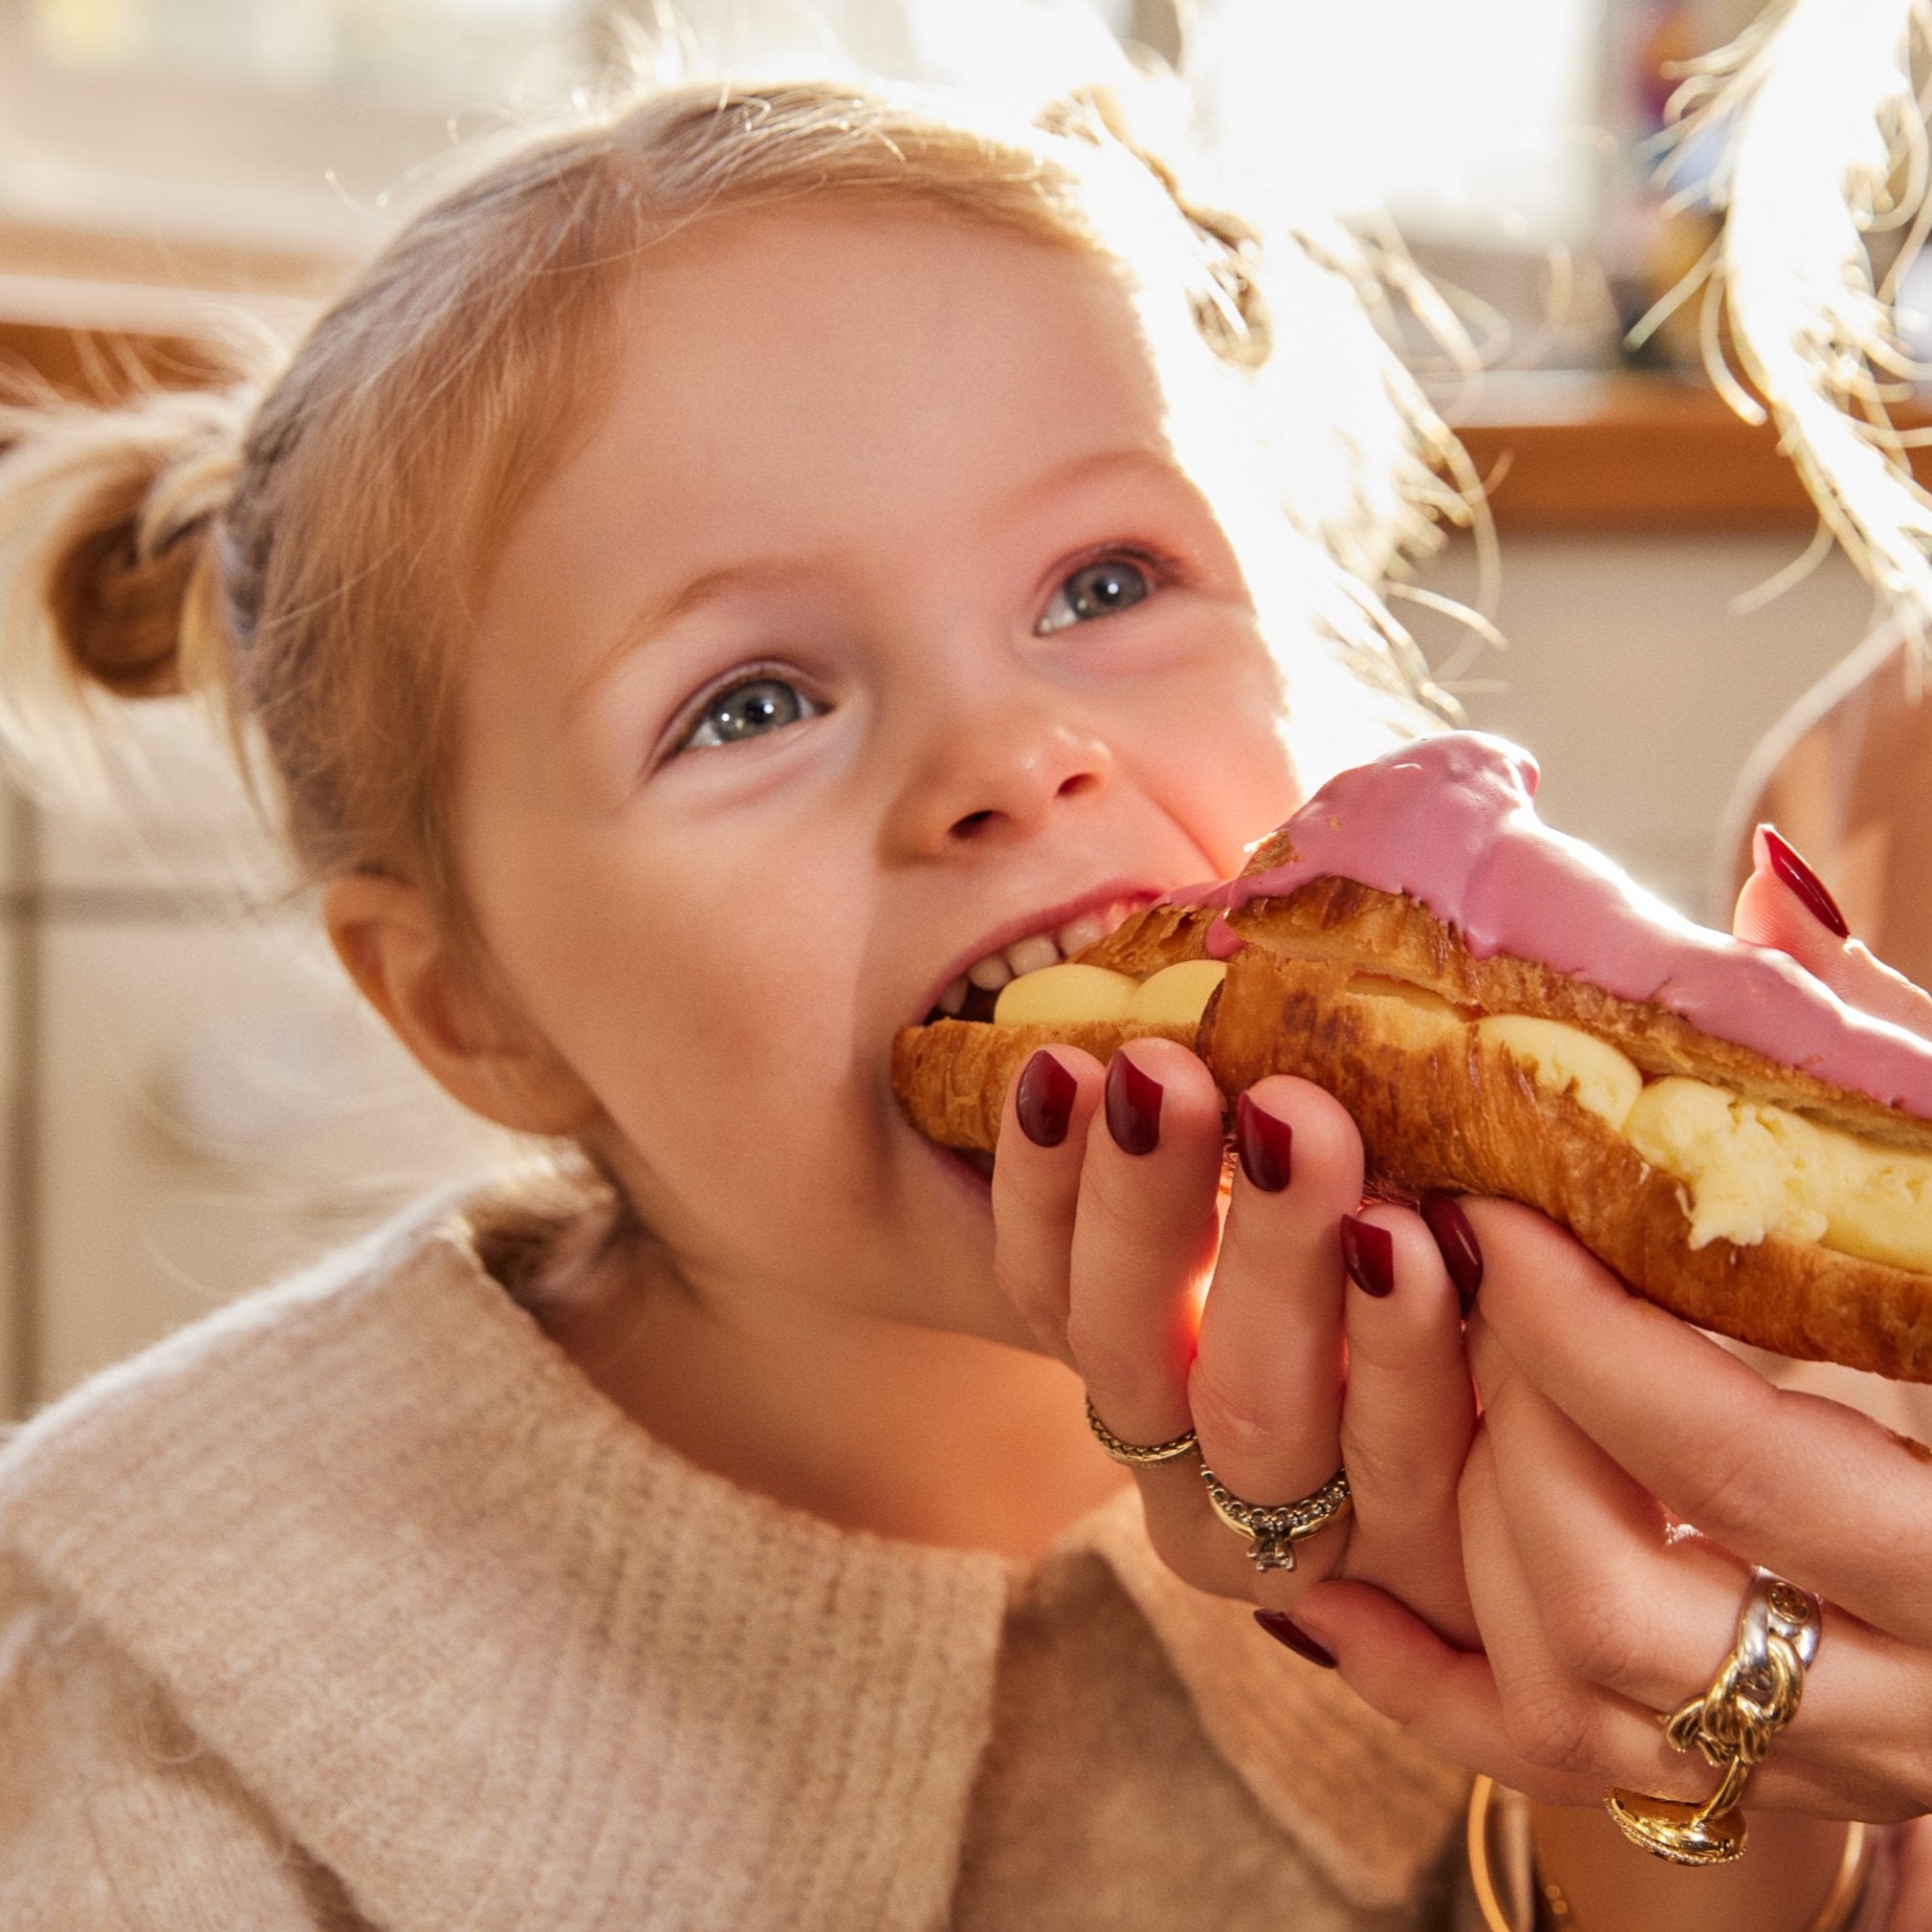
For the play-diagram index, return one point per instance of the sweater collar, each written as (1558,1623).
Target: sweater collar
(1303,1742)
(561,1658)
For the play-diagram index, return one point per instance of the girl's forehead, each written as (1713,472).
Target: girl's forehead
(794,300)
(793,362)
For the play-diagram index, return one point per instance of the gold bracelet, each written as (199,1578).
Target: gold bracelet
(1541,1907)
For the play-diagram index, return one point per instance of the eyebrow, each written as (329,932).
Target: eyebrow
(1096,466)
(711,586)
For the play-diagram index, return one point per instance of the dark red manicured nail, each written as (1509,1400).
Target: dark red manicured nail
(1368,1254)
(1265,1143)
(1132,1106)
(1044,1100)
(1283,1629)
(1445,1220)
(1803,882)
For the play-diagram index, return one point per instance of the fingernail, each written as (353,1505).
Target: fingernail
(1265,1145)
(1044,1100)
(1443,1217)
(1283,1629)
(1803,882)
(1132,1106)
(1368,1254)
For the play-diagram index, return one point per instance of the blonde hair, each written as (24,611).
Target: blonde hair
(302,548)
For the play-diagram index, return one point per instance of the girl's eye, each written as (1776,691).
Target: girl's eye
(1099,589)
(750,710)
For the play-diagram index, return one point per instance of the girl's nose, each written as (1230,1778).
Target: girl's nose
(999,774)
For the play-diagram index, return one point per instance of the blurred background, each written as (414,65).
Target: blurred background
(194,1101)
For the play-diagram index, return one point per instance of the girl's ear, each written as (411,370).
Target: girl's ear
(495,1064)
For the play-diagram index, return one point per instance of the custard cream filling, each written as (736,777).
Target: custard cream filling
(1064,995)
(1747,1167)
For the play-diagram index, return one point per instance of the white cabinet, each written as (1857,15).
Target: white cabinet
(1636,679)
(220,1109)
(212,1103)
(179,821)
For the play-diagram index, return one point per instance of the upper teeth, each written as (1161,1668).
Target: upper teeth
(1030,953)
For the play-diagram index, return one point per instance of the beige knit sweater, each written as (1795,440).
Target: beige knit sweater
(356,1605)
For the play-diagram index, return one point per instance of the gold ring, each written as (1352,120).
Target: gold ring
(1515,1894)
(1752,1697)
(1273,1530)
(1133,1454)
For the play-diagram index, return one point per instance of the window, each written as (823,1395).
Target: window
(1480,124)
(399,50)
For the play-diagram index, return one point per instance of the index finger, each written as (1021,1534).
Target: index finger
(1036,1185)
(1769,913)
(1805,1486)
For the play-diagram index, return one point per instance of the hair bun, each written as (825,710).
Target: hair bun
(109,578)
(149,481)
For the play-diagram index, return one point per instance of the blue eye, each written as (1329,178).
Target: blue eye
(1114,583)
(752,709)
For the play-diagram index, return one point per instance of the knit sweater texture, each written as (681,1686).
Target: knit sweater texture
(356,1605)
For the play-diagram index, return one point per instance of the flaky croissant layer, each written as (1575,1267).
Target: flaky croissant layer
(1371,996)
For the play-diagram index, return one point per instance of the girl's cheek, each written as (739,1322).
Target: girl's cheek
(1248,747)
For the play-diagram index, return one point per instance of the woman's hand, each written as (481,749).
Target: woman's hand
(1784,903)
(1233,1315)
(1608,1424)
(1598,1612)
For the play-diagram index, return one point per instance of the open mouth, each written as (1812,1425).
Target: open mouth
(974,993)
(1136,971)
(1073,975)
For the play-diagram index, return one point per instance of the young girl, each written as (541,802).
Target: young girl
(729,574)
(721,577)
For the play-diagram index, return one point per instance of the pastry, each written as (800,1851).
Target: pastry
(1505,1013)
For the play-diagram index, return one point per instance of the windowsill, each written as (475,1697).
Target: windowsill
(1588,453)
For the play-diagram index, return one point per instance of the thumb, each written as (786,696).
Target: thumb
(1785,904)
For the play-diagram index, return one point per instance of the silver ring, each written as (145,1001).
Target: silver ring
(1273,1530)
(1774,1608)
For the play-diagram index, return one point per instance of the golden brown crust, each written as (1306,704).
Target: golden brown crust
(1449,1108)
(952,1077)
(1161,935)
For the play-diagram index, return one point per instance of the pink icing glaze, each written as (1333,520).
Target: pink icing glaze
(1449,822)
